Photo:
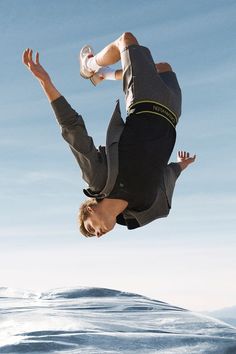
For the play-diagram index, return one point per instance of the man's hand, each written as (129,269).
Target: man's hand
(184,159)
(34,66)
(38,71)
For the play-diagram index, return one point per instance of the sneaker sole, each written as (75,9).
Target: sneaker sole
(84,73)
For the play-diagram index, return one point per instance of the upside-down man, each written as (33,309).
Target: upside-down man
(129,180)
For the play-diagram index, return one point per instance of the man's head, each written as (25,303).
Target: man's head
(95,219)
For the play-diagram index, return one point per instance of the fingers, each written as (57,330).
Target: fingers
(182,154)
(185,155)
(30,54)
(27,57)
(37,58)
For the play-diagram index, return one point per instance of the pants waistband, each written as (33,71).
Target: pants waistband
(154,107)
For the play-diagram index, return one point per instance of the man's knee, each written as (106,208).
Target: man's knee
(162,67)
(126,39)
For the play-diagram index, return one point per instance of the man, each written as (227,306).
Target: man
(129,181)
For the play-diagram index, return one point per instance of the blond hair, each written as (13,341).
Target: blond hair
(84,214)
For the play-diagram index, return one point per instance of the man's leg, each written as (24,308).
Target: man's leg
(161,68)
(96,67)
(107,56)
(111,54)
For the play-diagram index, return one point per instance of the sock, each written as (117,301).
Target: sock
(107,73)
(92,65)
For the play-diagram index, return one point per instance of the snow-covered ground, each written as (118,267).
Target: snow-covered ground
(227,314)
(96,320)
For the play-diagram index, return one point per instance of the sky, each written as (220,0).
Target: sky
(187,259)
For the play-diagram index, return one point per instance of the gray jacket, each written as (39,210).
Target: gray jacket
(100,166)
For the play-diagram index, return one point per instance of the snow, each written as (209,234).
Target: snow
(97,321)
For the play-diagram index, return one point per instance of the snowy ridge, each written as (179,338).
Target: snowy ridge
(81,292)
(97,321)
(85,292)
(227,315)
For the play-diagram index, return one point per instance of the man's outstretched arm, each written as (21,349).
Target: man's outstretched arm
(91,160)
(40,73)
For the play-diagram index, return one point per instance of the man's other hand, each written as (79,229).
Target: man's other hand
(34,66)
(184,159)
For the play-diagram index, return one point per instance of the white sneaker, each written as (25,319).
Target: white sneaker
(86,53)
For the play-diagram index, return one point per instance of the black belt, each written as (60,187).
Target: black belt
(154,108)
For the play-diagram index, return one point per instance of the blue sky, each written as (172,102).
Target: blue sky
(187,259)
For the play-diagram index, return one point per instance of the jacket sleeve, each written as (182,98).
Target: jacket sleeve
(92,161)
(171,173)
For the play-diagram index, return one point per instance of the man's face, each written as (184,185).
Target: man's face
(96,224)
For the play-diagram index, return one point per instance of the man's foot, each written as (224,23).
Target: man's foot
(86,53)
(96,78)
(104,73)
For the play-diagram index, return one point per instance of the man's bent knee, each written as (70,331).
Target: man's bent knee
(162,67)
(125,40)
